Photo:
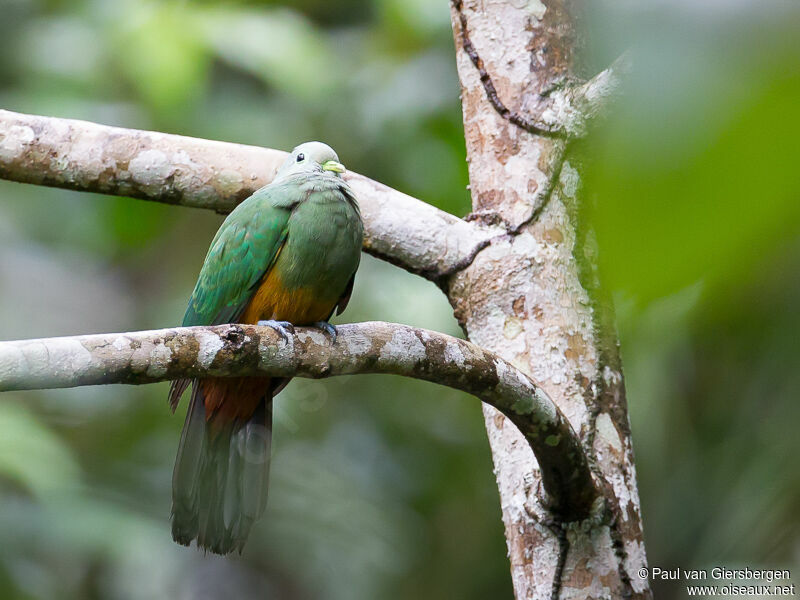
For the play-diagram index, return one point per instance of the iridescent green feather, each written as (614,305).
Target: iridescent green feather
(242,251)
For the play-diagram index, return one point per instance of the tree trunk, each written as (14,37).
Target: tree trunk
(531,297)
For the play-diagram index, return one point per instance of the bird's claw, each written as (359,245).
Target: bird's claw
(284,328)
(328,328)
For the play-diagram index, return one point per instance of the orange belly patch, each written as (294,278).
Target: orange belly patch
(273,300)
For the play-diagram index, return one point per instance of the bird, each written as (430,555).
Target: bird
(285,256)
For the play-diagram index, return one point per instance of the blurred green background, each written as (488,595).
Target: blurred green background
(382,487)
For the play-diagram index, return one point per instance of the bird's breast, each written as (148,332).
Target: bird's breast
(321,252)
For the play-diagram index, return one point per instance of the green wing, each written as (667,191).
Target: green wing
(243,250)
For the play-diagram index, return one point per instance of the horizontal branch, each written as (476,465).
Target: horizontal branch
(376,347)
(174,169)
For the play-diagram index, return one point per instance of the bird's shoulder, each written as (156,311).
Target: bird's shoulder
(263,214)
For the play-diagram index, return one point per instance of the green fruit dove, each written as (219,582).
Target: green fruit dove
(285,256)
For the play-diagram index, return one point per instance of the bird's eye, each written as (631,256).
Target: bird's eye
(301,157)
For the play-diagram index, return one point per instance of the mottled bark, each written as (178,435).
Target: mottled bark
(248,350)
(532,298)
(217,175)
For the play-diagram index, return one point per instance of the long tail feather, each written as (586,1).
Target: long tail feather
(219,485)
(192,450)
(176,389)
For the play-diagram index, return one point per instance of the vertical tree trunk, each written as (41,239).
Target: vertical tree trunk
(531,296)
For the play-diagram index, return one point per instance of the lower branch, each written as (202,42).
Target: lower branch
(375,347)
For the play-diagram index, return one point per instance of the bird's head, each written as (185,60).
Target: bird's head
(311,157)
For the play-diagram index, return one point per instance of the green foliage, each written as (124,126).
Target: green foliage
(32,455)
(693,194)
(696,176)
(278,47)
(161,53)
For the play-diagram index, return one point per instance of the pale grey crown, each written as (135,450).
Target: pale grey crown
(308,158)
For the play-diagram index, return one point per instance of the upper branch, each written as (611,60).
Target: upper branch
(84,156)
(246,350)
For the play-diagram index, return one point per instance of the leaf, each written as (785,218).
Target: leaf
(278,46)
(33,455)
(162,54)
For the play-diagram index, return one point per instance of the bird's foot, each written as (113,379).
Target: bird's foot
(284,328)
(328,328)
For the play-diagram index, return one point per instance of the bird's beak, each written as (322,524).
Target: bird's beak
(332,165)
